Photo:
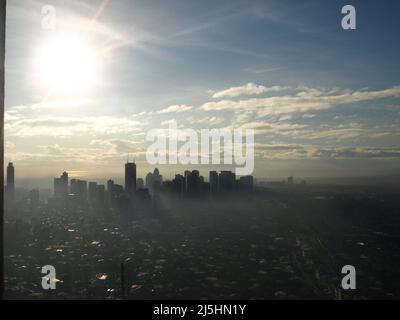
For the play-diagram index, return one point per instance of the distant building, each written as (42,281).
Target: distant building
(213,181)
(110,184)
(34,198)
(226,181)
(130,177)
(154,181)
(149,181)
(73,186)
(82,190)
(100,195)
(178,184)
(157,180)
(139,184)
(61,186)
(93,192)
(110,194)
(10,188)
(117,190)
(246,184)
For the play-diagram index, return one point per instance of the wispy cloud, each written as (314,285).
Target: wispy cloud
(176,108)
(303,101)
(247,89)
(53,126)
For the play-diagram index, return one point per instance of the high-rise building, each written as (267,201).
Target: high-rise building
(192,182)
(246,183)
(226,181)
(82,190)
(73,186)
(157,180)
(149,181)
(139,184)
(178,184)
(34,198)
(92,192)
(110,183)
(10,182)
(79,189)
(130,177)
(100,194)
(213,181)
(61,185)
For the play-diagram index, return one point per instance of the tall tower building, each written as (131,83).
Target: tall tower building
(10,182)
(213,181)
(130,177)
(61,185)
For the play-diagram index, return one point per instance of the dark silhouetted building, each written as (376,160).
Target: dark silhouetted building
(149,181)
(130,177)
(178,185)
(10,182)
(154,181)
(246,184)
(213,181)
(92,193)
(34,198)
(226,181)
(110,195)
(61,186)
(100,195)
(157,180)
(139,184)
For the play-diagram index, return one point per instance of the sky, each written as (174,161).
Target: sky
(323,101)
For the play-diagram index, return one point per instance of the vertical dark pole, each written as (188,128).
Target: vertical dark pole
(2,57)
(122,281)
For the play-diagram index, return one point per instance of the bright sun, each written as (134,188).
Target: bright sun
(66,65)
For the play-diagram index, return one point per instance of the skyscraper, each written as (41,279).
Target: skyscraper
(157,180)
(130,177)
(140,183)
(92,192)
(149,181)
(61,185)
(34,198)
(10,182)
(213,181)
(246,183)
(226,181)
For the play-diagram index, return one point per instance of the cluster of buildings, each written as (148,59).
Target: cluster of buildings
(190,183)
(82,192)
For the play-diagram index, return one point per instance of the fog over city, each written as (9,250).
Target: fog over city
(84,91)
(201,150)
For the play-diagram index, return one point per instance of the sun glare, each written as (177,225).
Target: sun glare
(66,66)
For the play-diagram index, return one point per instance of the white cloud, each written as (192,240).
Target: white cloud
(297,151)
(304,101)
(247,89)
(176,109)
(56,126)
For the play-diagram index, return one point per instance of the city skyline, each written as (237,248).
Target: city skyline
(210,150)
(323,101)
(65,184)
